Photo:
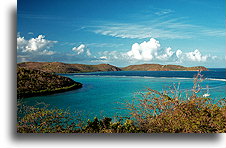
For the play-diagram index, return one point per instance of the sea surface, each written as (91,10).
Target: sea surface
(104,93)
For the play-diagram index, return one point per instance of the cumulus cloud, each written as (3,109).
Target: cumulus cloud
(151,51)
(21,43)
(145,51)
(39,44)
(82,50)
(167,53)
(34,49)
(196,56)
(178,53)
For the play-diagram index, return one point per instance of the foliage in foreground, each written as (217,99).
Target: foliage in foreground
(153,112)
(172,116)
(44,120)
(191,116)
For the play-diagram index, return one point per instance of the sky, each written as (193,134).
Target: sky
(122,32)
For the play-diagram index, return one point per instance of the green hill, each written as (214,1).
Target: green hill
(34,83)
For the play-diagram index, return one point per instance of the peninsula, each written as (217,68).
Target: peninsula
(35,83)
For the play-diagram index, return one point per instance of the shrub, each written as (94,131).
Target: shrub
(44,120)
(153,112)
(156,112)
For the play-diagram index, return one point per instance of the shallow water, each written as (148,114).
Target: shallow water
(101,91)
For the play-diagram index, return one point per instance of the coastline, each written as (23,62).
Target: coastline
(76,85)
(147,77)
(32,83)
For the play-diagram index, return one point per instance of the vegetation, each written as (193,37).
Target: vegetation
(35,82)
(158,67)
(57,67)
(151,112)
(44,120)
(191,116)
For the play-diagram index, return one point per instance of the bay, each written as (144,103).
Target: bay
(103,93)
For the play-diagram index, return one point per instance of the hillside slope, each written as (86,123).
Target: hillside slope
(58,67)
(158,67)
(34,83)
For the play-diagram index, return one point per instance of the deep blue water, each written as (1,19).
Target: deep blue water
(218,73)
(102,90)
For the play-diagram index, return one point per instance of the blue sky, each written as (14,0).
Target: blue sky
(122,32)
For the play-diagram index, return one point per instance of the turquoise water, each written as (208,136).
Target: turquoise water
(102,95)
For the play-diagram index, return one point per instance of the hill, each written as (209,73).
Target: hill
(58,67)
(34,83)
(158,67)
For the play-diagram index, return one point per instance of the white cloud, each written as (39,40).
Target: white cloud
(151,51)
(37,45)
(179,53)
(213,32)
(168,53)
(88,53)
(82,50)
(143,30)
(145,51)
(34,49)
(103,58)
(196,56)
(79,49)
(21,43)
(160,27)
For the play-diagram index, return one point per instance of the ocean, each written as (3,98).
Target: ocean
(104,93)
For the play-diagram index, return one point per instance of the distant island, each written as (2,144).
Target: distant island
(32,82)
(58,67)
(158,67)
